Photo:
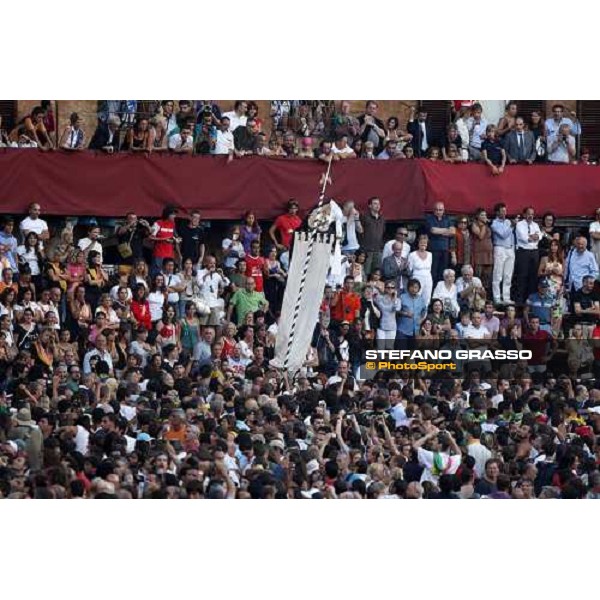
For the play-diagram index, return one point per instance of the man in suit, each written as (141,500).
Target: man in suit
(520,144)
(423,136)
(372,128)
(394,267)
(107,136)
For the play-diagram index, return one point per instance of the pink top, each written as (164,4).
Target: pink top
(75,270)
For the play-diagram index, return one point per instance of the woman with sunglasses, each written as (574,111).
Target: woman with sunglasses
(460,245)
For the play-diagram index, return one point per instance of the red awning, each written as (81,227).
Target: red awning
(106,186)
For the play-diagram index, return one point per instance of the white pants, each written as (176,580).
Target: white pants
(385,339)
(504,265)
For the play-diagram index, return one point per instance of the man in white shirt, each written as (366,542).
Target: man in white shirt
(528,235)
(89,243)
(101,352)
(182,142)
(211,283)
(224,143)
(402,239)
(477,336)
(437,460)
(477,450)
(173,281)
(561,146)
(476,125)
(237,116)
(34,223)
(476,330)
(341,150)
(352,226)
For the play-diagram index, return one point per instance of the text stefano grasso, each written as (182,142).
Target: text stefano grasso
(458,354)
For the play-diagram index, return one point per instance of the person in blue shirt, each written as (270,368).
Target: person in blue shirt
(440,231)
(414,310)
(9,241)
(579,264)
(553,123)
(503,239)
(540,304)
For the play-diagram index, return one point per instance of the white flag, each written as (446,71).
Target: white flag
(305,305)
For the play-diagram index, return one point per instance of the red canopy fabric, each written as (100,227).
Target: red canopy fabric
(94,184)
(566,190)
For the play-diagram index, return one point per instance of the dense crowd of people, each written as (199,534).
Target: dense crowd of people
(148,375)
(310,130)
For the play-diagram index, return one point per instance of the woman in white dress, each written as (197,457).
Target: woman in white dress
(419,265)
(446,292)
(157,298)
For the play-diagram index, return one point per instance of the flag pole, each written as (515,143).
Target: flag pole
(312,235)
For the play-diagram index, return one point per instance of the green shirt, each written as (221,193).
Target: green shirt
(245,302)
(239,279)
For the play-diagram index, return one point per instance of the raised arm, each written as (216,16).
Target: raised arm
(423,440)
(338,431)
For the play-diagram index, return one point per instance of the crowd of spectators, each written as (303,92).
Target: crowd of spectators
(148,375)
(310,130)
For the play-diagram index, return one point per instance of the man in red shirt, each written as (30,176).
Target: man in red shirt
(164,236)
(345,305)
(255,265)
(285,225)
(540,343)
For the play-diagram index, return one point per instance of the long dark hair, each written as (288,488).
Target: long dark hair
(136,125)
(7,292)
(255,226)
(136,289)
(91,256)
(36,247)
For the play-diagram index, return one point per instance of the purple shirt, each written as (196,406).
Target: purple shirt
(247,237)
